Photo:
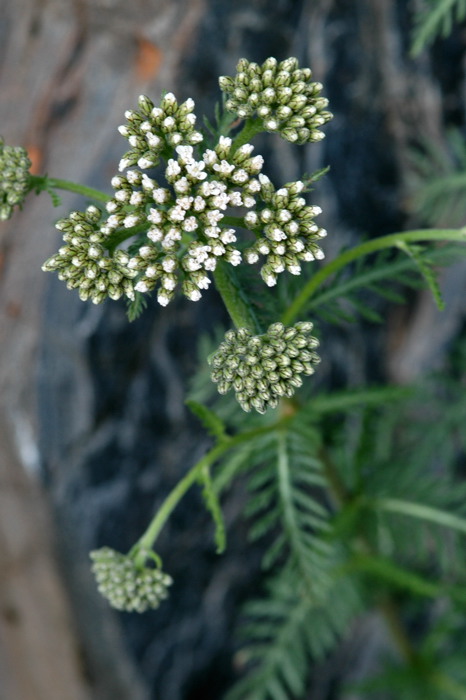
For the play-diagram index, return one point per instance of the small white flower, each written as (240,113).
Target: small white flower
(173,168)
(133,264)
(145,163)
(156,113)
(272,125)
(136,199)
(214,216)
(212,231)
(246,149)
(248,201)
(169,264)
(162,298)
(256,163)
(251,257)
(292,227)
(194,295)
(146,126)
(210,264)
(224,167)
(218,249)
(170,98)
(203,282)
(113,221)
(234,258)
(152,139)
(186,154)
(168,122)
(294,269)
(210,157)
(155,234)
(228,236)
(151,272)
(111,207)
(251,218)
(176,214)
(225,141)
(155,216)
(133,140)
(133,177)
(196,170)
(141,286)
(190,224)
(182,185)
(130,221)
(160,195)
(116,181)
(270,280)
(236,199)
(199,203)
(124,163)
(240,176)
(319,254)
(184,202)
(123,129)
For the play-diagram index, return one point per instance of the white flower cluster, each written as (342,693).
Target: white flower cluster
(263,368)
(281,94)
(14,176)
(127,586)
(186,235)
(286,232)
(83,262)
(150,130)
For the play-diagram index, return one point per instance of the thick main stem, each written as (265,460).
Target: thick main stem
(234,299)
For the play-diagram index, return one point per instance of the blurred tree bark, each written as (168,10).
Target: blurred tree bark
(94,407)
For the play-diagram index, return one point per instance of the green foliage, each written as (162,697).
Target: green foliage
(135,307)
(436,18)
(438,181)
(213,506)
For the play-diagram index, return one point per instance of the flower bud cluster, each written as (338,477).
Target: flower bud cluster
(282,95)
(286,233)
(263,368)
(84,263)
(150,130)
(14,176)
(186,235)
(126,585)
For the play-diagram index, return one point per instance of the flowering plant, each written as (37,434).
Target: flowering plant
(190,209)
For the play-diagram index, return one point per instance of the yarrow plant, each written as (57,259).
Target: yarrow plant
(193,208)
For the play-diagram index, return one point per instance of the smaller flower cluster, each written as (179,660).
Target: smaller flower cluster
(286,232)
(14,177)
(84,263)
(281,94)
(152,129)
(127,586)
(263,368)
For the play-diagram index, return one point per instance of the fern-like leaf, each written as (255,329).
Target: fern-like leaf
(426,270)
(135,307)
(211,422)
(212,504)
(434,20)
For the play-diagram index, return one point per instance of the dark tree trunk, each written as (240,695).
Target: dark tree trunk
(93,407)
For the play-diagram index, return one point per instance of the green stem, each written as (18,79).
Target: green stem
(146,542)
(43,182)
(234,299)
(392,240)
(252,126)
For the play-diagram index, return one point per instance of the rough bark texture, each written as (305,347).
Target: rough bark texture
(94,407)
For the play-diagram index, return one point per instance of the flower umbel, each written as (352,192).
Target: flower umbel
(286,233)
(84,263)
(263,368)
(14,176)
(126,584)
(152,130)
(185,235)
(281,94)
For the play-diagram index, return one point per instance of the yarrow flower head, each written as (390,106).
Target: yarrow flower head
(186,235)
(281,94)
(84,263)
(263,368)
(150,130)
(14,177)
(286,233)
(126,584)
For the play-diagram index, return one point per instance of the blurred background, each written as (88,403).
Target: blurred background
(93,427)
